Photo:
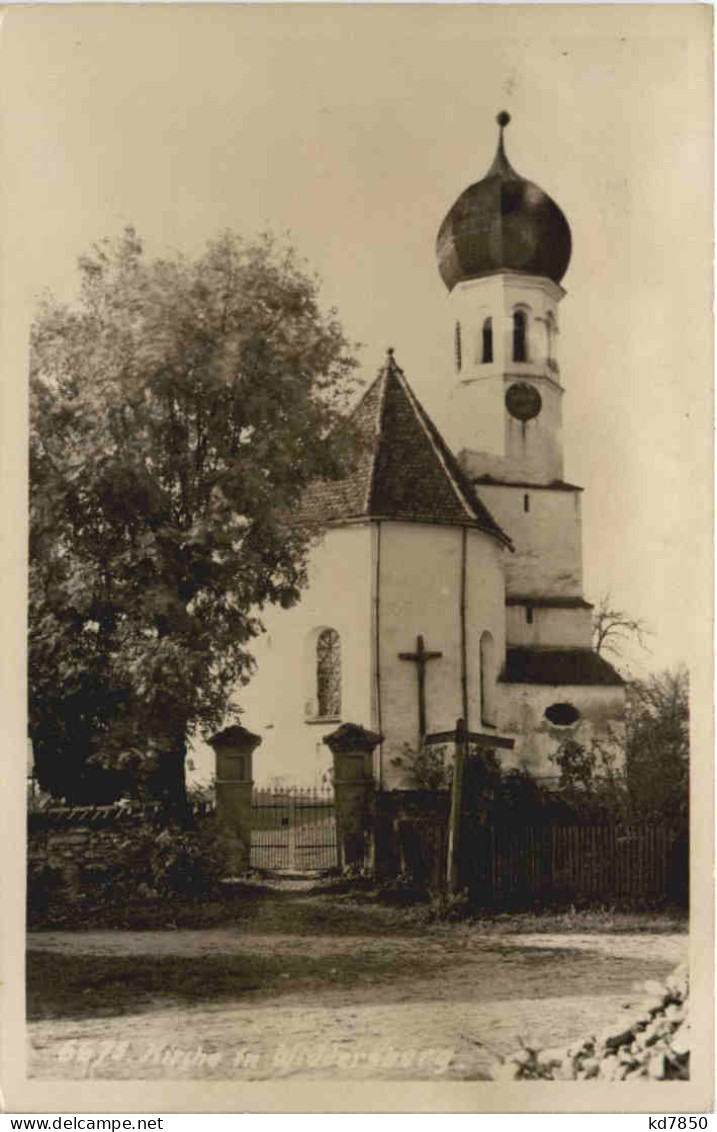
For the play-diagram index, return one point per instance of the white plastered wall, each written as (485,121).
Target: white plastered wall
(549,628)
(601,708)
(420,594)
(547,539)
(279,703)
(476,418)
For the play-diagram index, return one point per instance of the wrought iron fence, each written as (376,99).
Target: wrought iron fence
(294,829)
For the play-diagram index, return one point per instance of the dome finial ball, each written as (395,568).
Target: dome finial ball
(503,118)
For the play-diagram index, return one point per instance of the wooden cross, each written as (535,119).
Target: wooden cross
(420,658)
(462,739)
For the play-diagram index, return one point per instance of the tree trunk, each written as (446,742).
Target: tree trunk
(169,780)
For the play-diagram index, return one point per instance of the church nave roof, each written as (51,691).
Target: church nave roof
(567,667)
(404,470)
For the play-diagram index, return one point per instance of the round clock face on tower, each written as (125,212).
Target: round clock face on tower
(523,401)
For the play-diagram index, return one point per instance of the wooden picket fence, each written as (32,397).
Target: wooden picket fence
(581,863)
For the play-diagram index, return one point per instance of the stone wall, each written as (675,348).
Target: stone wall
(72,847)
(67,847)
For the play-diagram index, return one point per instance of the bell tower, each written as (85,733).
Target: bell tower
(502,250)
(506,395)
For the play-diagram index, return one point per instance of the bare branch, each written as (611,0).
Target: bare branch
(614,628)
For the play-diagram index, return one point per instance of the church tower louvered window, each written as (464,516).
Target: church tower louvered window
(487,351)
(520,337)
(328,673)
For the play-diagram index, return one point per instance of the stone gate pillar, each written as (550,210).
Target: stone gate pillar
(352,748)
(234,748)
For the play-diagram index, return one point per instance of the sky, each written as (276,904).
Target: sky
(354,129)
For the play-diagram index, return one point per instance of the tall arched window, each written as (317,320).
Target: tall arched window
(520,337)
(488,711)
(328,673)
(458,348)
(487,341)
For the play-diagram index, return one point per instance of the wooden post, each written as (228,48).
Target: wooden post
(454,827)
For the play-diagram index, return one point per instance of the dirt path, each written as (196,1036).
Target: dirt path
(454,939)
(407,1041)
(430,1004)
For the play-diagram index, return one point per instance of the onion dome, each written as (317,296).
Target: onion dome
(503,223)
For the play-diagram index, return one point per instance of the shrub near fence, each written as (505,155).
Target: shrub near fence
(511,864)
(411,835)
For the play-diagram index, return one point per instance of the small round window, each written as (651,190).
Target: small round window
(562,715)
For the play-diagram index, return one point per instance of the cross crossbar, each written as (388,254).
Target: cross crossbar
(478,738)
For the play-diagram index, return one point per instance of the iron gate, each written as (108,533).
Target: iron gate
(293,830)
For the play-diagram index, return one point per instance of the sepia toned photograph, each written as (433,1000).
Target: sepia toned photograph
(360,466)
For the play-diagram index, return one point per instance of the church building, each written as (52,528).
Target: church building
(447,581)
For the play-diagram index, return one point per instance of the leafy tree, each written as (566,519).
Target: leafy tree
(592,779)
(653,783)
(658,746)
(178,411)
(613,628)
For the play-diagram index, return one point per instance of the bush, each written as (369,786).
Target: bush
(428,768)
(172,862)
(401,890)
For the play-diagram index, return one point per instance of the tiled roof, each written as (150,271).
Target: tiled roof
(558,666)
(404,470)
(549,602)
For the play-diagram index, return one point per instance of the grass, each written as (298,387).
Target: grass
(68,986)
(585,921)
(318,913)
(90,913)
(439,963)
(341,907)
(87,984)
